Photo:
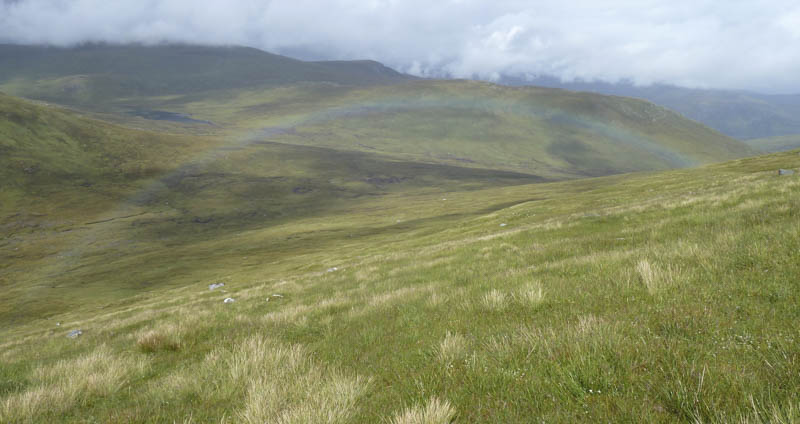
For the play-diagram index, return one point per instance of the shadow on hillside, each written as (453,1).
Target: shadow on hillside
(213,200)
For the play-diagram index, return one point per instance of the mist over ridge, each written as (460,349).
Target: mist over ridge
(705,44)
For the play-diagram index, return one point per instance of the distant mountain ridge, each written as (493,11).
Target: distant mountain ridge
(91,74)
(775,144)
(739,114)
(95,72)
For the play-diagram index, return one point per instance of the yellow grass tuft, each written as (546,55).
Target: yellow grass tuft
(495,299)
(451,348)
(531,294)
(775,414)
(290,388)
(69,384)
(435,412)
(279,384)
(653,277)
(155,340)
(437,299)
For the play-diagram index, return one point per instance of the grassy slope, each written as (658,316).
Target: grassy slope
(775,144)
(362,106)
(432,298)
(546,132)
(66,179)
(740,115)
(656,297)
(737,114)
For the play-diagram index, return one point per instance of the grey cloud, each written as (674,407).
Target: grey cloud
(697,43)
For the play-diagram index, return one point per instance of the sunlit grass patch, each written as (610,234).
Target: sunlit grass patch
(434,412)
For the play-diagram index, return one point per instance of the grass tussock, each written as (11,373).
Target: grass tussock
(272,382)
(495,300)
(289,388)
(655,278)
(452,348)
(788,414)
(69,384)
(159,340)
(434,412)
(531,294)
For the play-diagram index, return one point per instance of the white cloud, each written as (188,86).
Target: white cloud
(719,43)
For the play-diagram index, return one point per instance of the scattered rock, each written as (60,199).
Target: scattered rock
(334,269)
(228,300)
(215,286)
(74,334)
(785,172)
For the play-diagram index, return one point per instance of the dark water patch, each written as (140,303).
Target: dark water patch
(160,115)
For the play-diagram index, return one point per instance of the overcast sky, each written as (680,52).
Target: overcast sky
(746,44)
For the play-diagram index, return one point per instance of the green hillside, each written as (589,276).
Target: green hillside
(393,250)
(775,144)
(242,94)
(657,297)
(552,133)
(61,172)
(739,114)
(91,74)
